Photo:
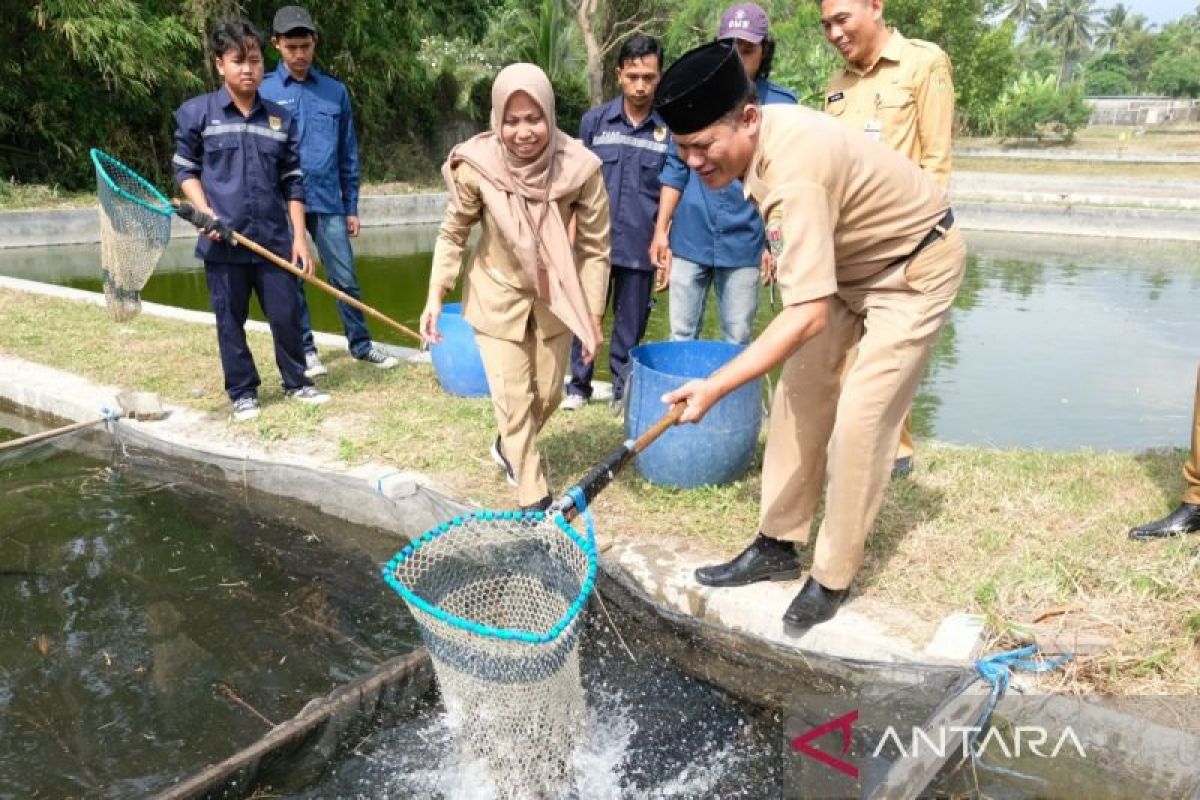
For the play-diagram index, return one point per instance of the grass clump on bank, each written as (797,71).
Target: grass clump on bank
(1015,535)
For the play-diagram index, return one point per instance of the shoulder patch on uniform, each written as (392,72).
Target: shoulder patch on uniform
(775,233)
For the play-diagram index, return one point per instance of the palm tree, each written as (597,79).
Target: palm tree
(1023,13)
(1068,25)
(1118,27)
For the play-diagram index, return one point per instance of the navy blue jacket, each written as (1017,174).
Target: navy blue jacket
(328,146)
(248,166)
(631,159)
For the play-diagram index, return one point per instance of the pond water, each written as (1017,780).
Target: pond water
(1055,342)
(139,611)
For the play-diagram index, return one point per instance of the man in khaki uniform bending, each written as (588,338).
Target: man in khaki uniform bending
(867,257)
(897,91)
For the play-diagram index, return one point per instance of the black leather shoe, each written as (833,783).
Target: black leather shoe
(766,559)
(814,604)
(902,467)
(1185,519)
(540,505)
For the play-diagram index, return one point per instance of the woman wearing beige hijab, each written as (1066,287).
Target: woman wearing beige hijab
(528,287)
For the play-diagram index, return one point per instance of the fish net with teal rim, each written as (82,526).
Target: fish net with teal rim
(498,597)
(135,226)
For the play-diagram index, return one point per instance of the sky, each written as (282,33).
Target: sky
(1157,11)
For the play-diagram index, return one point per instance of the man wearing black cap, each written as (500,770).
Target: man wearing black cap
(866,256)
(329,157)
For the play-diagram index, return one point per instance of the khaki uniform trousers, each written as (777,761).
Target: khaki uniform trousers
(1191,467)
(526,382)
(845,427)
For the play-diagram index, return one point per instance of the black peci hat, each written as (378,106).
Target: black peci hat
(702,86)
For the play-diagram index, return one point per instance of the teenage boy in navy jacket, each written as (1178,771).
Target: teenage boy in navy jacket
(237,157)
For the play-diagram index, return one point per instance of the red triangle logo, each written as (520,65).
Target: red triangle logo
(845,724)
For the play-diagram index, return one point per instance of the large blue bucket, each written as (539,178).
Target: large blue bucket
(715,451)
(456,358)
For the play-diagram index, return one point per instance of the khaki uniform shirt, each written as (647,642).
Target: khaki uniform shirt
(906,100)
(498,295)
(839,207)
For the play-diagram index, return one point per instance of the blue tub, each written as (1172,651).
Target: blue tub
(456,358)
(717,450)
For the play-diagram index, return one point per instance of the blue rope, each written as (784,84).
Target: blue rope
(580,499)
(998,668)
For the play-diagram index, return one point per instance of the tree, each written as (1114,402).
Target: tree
(1176,75)
(1118,27)
(1068,25)
(603,26)
(1023,13)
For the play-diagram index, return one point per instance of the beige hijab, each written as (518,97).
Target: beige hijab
(521,195)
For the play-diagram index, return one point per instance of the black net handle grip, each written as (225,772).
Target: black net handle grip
(204,222)
(603,473)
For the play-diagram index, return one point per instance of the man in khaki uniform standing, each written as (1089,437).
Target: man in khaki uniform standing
(897,91)
(867,257)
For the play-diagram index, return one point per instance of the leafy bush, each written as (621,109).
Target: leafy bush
(1033,106)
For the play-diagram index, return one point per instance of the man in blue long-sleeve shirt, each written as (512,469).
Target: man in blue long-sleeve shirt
(237,158)
(329,156)
(631,141)
(715,237)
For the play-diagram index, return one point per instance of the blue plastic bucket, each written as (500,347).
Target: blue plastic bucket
(715,451)
(456,358)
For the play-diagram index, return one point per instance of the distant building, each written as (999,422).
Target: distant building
(1142,110)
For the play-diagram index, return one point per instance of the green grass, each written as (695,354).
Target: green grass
(26,196)
(1011,534)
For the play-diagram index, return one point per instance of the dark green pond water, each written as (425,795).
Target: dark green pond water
(1055,342)
(135,605)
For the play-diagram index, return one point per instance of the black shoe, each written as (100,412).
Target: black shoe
(540,505)
(902,467)
(1185,519)
(815,604)
(766,559)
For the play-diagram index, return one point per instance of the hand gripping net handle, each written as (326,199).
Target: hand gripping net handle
(603,473)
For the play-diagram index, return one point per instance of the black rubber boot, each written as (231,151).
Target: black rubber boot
(1184,519)
(815,604)
(766,559)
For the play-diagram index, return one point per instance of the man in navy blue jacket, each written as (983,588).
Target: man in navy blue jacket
(329,155)
(237,157)
(631,140)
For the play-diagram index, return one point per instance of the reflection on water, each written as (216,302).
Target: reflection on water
(1055,342)
(1067,343)
(141,619)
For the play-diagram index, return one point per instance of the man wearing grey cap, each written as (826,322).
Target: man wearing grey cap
(713,237)
(329,158)
(867,257)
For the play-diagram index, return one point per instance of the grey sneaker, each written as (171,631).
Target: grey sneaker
(246,408)
(573,402)
(313,368)
(503,463)
(378,358)
(309,395)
